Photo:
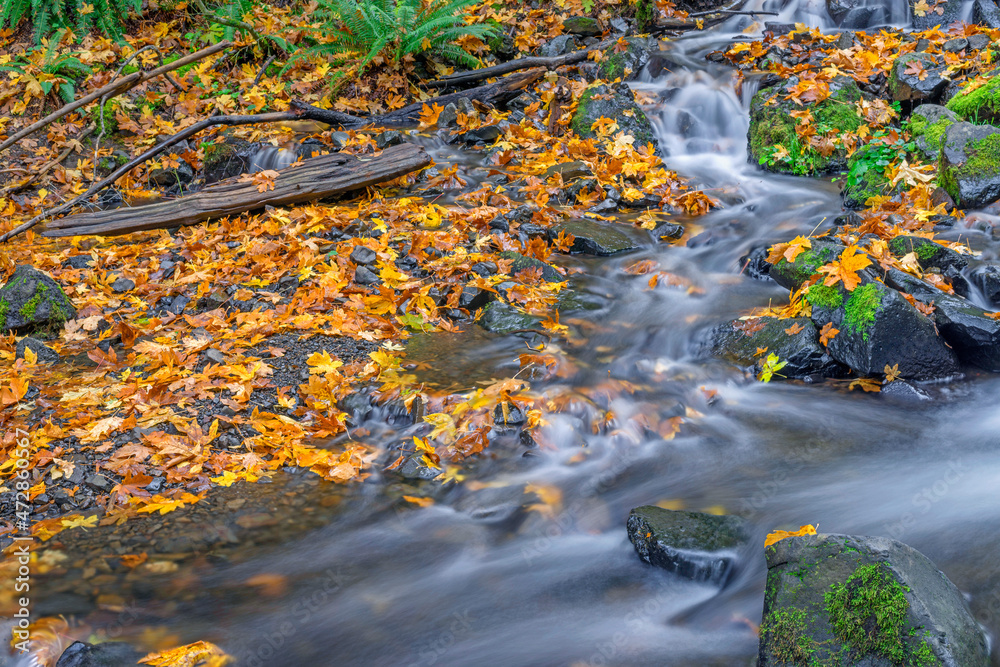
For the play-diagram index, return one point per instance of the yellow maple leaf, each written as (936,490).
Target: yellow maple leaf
(911,175)
(80,521)
(921,8)
(198,654)
(322,362)
(778,535)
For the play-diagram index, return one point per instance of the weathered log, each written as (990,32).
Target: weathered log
(495,94)
(550,62)
(315,178)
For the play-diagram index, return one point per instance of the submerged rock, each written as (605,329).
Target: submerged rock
(618,104)
(771,126)
(109,654)
(502,318)
(740,342)
(846,600)
(31,300)
(928,124)
(969,168)
(702,547)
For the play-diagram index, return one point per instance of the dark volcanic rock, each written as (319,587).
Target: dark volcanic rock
(740,341)
(607,101)
(925,87)
(952,11)
(703,547)
(596,238)
(987,279)
(40,349)
(847,600)
(970,164)
(31,300)
(109,654)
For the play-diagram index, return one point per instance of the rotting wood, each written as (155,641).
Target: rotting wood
(312,179)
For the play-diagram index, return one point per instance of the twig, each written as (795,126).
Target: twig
(260,74)
(113,89)
(10,189)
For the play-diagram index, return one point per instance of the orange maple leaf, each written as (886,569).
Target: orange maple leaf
(794,329)
(827,333)
(846,269)
(778,535)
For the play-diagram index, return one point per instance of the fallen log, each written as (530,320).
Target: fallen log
(312,179)
(494,94)
(550,62)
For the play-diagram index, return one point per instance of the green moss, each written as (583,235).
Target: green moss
(859,312)
(645,15)
(979,105)
(805,265)
(4,307)
(579,123)
(821,296)
(923,248)
(934,133)
(613,67)
(785,632)
(982,161)
(918,125)
(31,305)
(924,656)
(868,612)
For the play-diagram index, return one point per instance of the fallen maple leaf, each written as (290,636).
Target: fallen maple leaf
(80,521)
(891,373)
(778,535)
(794,329)
(827,333)
(198,654)
(910,175)
(867,384)
(846,268)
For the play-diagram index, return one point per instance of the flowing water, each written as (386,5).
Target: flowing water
(479,579)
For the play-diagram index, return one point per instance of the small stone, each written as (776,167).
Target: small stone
(956,45)
(569,170)
(79,262)
(582,25)
(388,138)
(123,285)
(559,46)
(448,118)
(596,238)
(978,42)
(156,485)
(98,482)
(41,350)
(363,276)
(177,304)
(215,356)
(363,255)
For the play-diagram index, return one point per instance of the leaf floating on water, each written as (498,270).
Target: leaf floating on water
(778,535)
(198,654)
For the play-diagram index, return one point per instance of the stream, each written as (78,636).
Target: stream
(478,578)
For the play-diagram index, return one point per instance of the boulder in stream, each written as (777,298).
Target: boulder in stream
(616,102)
(628,64)
(702,547)
(795,341)
(969,168)
(950,11)
(596,238)
(917,77)
(928,124)
(848,600)
(108,654)
(32,301)
(772,128)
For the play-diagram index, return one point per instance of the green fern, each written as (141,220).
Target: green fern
(364,29)
(48,16)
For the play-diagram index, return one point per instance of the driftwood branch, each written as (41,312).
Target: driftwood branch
(497,93)
(312,179)
(113,89)
(35,176)
(550,62)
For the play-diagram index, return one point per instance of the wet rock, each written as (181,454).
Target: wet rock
(754,264)
(596,238)
(520,263)
(514,417)
(926,86)
(903,391)
(839,8)
(485,134)
(951,12)
(740,341)
(969,167)
(32,301)
(364,276)
(448,118)
(388,138)
(215,356)
(559,46)
(79,262)
(968,329)
(98,482)
(771,126)
(626,65)
(860,18)
(976,102)
(956,45)
(843,599)
(987,279)
(928,253)
(414,467)
(582,25)
(985,12)
(619,100)
(668,230)
(108,654)
(363,255)
(978,42)
(474,298)
(569,170)
(43,352)
(123,285)
(791,275)
(702,547)
(167,177)
(878,328)
(928,123)
(230,156)
(523,101)
(502,318)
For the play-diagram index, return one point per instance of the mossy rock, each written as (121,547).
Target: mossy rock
(582,25)
(31,301)
(772,126)
(872,183)
(522,263)
(618,104)
(741,342)
(978,103)
(877,327)
(626,65)
(229,156)
(837,600)
(930,255)
(926,87)
(791,275)
(928,124)
(703,547)
(502,318)
(969,164)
